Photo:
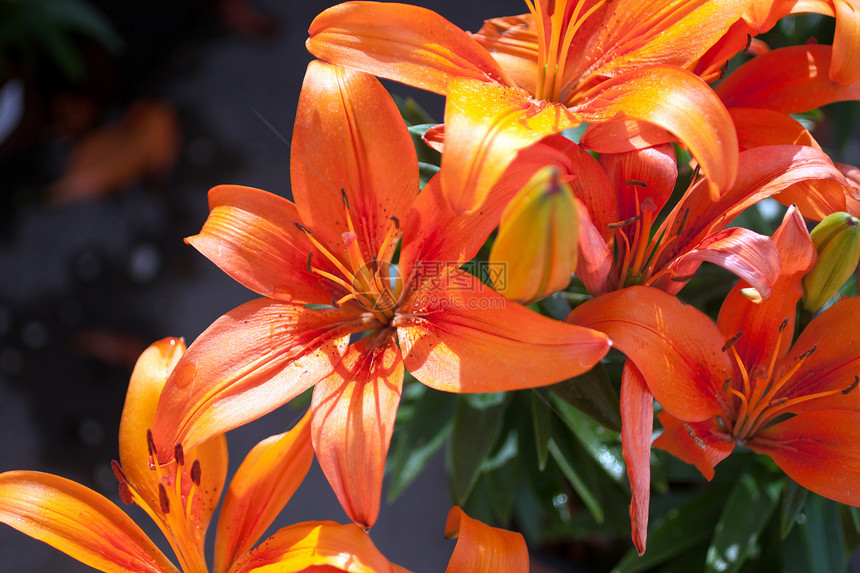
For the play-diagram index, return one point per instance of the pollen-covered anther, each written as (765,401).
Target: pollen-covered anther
(731,341)
(150,446)
(195,472)
(808,353)
(179,454)
(852,386)
(124,489)
(624,223)
(636,182)
(163,500)
(783,325)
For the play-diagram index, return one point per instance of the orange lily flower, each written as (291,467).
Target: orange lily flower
(736,381)
(523,77)
(180,497)
(355,182)
(620,244)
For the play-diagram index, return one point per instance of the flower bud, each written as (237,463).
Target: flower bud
(837,240)
(537,240)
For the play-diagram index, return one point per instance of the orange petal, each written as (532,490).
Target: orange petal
(833,365)
(844,68)
(147,381)
(261,487)
(247,363)
(642,179)
(619,136)
(637,414)
(750,256)
(666,32)
(790,80)
(400,42)
(758,127)
(485,126)
(679,102)
(50,508)
(484,549)
(595,257)
(818,450)
(315,545)
(698,443)
(457,335)
(352,158)
(513,43)
(674,346)
(761,322)
(252,236)
(353,414)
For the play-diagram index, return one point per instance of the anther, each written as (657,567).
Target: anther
(195,472)
(682,278)
(731,341)
(624,223)
(125,493)
(302,228)
(344,198)
(117,471)
(749,43)
(162,499)
(808,353)
(723,70)
(636,182)
(396,222)
(150,443)
(334,302)
(783,325)
(726,383)
(179,454)
(308,264)
(852,385)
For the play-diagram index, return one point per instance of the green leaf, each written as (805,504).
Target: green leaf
(502,473)
(855,517)
(83,18)
(822,535)
(577,481)
(412,113)
(426,171)
(593,394)
(542,420)
(678,530)
(415,442)
(426,154)
(751,501)
(793,499)
(478,421)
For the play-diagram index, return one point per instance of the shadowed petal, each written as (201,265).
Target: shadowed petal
(312,545)
(247,363)
(261,487)
(252,236)
(818,450)
(353,414)
(679,102)
(484,549)
(637,415)
(844,68)
(698,443)
(790,80)
(351,158)
(458,335)
(400,42)
(49,508)
(676,348)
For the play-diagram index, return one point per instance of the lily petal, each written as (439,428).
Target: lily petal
(485,126)
(846,43)
(637,415)
(484,549)
(277,351)
(677,101)
(818,450)
(352,158)
(761,322)
(400,42)
(790,80)
(697,443)
(312,545)
(353,414)
(49,508)
(745,253)
(834,365)
(261,487)
(252,236)
(641,179)
(456,336)
(675,347)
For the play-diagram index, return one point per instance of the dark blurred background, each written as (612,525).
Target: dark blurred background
(115,120)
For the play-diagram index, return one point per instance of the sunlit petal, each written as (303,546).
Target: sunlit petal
(456,336)
(845,66)
(247,363)
(263,484)
(353,414)
(49,508)
(401,42)
(484,549)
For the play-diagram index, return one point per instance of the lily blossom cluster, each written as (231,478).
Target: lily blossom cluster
(362,278)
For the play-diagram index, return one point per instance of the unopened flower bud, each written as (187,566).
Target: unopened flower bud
(537,240)
(837,240)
